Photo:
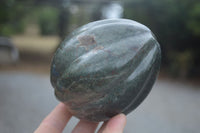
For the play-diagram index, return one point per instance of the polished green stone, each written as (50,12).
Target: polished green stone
(105,68)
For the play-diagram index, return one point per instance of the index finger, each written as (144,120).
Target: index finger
(56,121)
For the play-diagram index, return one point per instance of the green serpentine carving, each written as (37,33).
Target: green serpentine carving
(105,68)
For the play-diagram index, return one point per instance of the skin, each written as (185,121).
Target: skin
(56,121)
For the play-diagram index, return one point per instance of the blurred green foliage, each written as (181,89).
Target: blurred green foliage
(48,20)
(11,17)
(181,64)
(176,24)
(194,19)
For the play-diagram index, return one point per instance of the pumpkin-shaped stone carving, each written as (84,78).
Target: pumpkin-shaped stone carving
(105,68)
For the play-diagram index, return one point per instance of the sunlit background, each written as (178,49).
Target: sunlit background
(31,30)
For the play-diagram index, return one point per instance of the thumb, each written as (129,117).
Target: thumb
(114,125)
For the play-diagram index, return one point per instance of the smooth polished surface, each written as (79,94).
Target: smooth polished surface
(105,68)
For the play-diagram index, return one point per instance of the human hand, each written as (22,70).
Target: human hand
(56,121)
